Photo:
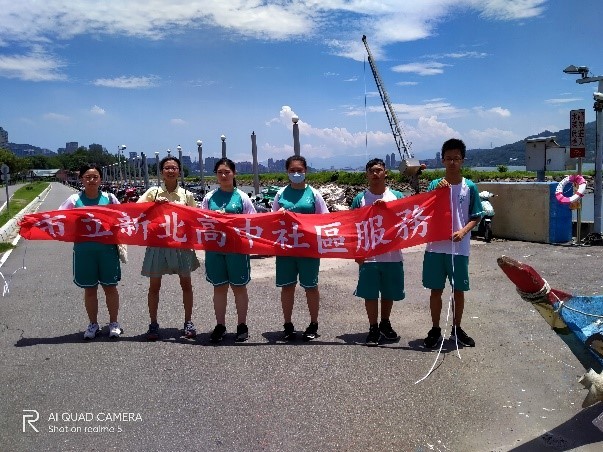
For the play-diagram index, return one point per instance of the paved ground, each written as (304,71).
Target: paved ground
(517,390)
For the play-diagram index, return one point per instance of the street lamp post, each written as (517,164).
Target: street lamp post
(145,170)
(598,107)
(200,150)
(157,167)
(181,164)
(296,145)
(120,148)
(254,156)
(223,138)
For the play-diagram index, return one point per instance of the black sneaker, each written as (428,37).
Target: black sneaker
(311,332)
(153,333)
(457,334)
(242,333)
(189,331)
(373,337)
(218,333)
(289,333)
(433,337)
(385,327)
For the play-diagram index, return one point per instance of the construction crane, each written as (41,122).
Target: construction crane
(410,166)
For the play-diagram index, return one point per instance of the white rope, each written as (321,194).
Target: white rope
(536,297)
(563,305)
(5,286)
(435,361)
(450,303)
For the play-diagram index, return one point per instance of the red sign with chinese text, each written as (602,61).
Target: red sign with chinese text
(577,135)
(349,234)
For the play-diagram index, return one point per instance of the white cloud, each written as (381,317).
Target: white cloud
(427,68)
(407,83)
(509,10)
(383,21)
(127,82)
(178,122)
(563,100)
(56,117)
(483,138)
(494,111)
(500,111)
(96,110)
(36,66)
(351,79)
(458,55)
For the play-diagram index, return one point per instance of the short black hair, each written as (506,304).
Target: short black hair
(164,160)
(454,143)
(88,166)
(225,161)
(296,158)
(374,162)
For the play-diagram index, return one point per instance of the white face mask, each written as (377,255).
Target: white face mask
(297,178)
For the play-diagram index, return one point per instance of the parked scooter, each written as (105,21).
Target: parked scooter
(484,227)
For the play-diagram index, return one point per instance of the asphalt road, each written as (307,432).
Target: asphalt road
(517,390)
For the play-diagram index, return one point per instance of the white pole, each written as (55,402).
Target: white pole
(201,169)
(254,154)
(296,144)
(598,164)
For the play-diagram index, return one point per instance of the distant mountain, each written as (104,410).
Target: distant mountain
(514,153)
(22,150)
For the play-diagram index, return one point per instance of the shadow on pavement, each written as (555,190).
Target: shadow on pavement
(576,432)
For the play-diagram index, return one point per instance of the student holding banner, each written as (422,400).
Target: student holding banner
(382,274)
(224,270)
(298,197)
(159,261)
(449,259)
(95,263)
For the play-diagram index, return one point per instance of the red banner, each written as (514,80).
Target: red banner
(349,234)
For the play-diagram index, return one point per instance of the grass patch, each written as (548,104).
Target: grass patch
(21,198)
(5,247)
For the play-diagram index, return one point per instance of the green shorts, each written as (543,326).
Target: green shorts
(386,278)
(227,268)
(289,267)
(94,264)
(438,266)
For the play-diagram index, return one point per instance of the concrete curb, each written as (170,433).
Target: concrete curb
(10,229)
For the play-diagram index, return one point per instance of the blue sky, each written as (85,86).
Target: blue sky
(156,74)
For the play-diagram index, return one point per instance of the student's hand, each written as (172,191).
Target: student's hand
(162,200)
(359,260)
(443,183)
(458,236)
(282,209)
(379,202)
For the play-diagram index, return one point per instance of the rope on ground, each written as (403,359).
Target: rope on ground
(594,238)
(5,286)
(435,361)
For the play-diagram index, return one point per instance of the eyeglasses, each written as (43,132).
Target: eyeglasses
(223,173)
(170,168)
(455,159)
(91,178)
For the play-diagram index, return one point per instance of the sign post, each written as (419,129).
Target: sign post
(5,170)
(578,150)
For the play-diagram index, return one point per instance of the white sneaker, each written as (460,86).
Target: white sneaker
(115,329)
(92,330)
